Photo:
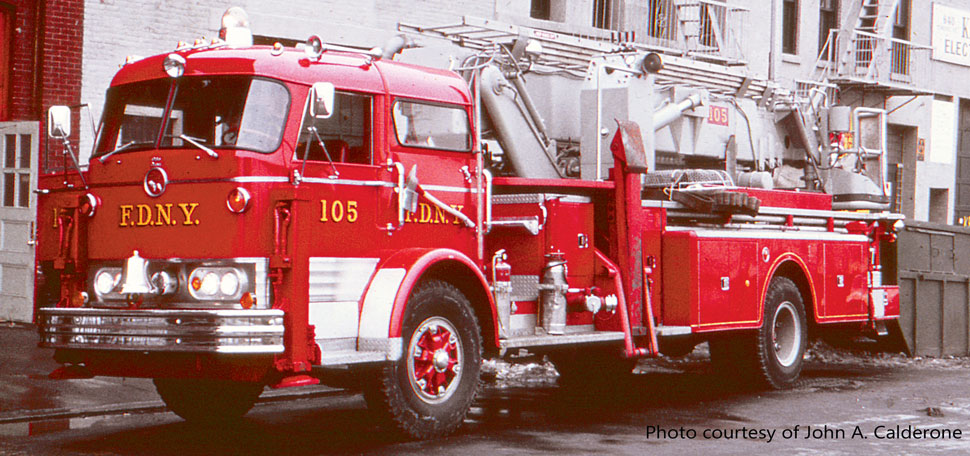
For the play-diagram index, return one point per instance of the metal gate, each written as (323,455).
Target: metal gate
(934,288)
(18,179)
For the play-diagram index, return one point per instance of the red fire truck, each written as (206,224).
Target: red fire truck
(259,216)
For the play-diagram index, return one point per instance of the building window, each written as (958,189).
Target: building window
(789,25)
(901,24)
(900,51)
(541,9)
(828,19)
(603,14)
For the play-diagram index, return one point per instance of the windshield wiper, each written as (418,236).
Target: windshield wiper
(123,147)
(195,142)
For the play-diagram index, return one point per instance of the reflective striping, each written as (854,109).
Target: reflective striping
(771,234)
(375,318)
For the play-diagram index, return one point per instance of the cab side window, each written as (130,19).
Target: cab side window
(345,136)
(434,126)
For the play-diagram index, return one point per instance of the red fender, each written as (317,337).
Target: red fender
(811,300)
(416,262)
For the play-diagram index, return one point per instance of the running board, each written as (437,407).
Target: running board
(564,339)
(674,330)
(343,357)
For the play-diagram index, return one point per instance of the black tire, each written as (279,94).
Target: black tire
(773,355)
(783,336)
(425,395)
(591,368)
(208,401)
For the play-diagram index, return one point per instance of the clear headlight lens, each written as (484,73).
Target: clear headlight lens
(105,281)
(229,284)
(210,284)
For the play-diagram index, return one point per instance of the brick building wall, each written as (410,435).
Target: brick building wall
(48,73)
(22,102)
(45,65)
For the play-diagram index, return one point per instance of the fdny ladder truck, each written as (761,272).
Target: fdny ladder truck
(258,216)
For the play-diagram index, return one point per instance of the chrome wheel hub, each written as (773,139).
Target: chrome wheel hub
(786,334)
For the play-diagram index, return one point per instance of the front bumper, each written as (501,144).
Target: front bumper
(163,330)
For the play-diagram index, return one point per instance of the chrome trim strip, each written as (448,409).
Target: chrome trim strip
(771,234)
(321,180)
(539,198)
(771,210)
(244,180)
(447,188)
(774,210)
(163,330)
(341,181)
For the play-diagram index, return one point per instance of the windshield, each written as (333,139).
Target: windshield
(239,112)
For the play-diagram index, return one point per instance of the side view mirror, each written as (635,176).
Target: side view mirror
(410,202)
(59,122)
(321,100)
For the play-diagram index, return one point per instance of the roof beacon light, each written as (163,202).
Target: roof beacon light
(235,28)
(314,47)
(174,65)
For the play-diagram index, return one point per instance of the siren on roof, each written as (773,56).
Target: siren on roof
(235,28)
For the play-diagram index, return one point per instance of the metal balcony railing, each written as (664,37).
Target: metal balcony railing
(708,29)
(871,58)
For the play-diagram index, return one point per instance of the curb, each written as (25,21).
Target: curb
(152,406)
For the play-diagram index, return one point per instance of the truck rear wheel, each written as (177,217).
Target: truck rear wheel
(428,392)
(206,401)
(783,336)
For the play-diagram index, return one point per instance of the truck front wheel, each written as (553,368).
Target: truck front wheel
(207,401)
(428,392)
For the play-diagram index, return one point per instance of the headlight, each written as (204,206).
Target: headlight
(217,283)
(229,284)
(106,280)
(210,284)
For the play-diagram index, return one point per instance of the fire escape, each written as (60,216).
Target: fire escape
(870,53)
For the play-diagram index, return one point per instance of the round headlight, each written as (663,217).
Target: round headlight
(210,284)
(104,282)
(229,284)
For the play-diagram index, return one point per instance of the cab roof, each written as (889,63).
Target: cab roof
(346,70)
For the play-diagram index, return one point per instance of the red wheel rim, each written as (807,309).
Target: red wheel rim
(435,360)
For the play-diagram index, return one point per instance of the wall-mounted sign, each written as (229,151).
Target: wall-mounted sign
(951,34)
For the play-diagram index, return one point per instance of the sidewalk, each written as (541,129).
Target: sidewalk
(26,393)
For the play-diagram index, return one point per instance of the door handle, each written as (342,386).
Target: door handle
(32,236)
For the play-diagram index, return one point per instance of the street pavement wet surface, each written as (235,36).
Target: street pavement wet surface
(846,403)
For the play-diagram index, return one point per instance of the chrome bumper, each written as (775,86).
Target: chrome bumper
(202,331)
